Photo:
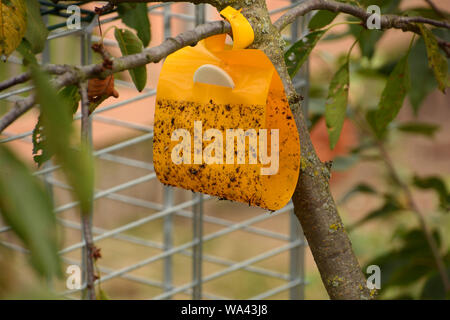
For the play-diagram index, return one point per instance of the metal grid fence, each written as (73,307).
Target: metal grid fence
(165,208)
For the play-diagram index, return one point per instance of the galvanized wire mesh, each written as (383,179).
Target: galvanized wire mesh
(170,209)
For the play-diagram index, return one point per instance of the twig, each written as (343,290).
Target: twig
(24,77)
(86,216)
(21,78)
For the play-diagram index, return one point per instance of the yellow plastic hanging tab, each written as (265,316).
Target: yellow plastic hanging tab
(243,34)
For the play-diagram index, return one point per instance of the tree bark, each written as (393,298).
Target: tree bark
(313,203)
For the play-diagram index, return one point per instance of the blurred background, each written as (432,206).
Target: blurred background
(254,254)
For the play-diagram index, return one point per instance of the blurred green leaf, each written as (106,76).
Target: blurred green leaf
(24,49)
(135,16)
(130,44)
(336,36)
(336,105)
(343,163)
(421,128)
(409,263)
(26,207)
(423,85)
(367,39)
(436,60)
(57,122)
(102,295)
(433,288)
(321,19)
(41,152)
(438,185)
(359,188)
(394,92)
(298,53)
(36,33)
(389,207)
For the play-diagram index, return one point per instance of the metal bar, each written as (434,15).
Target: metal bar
(279,289)
(104,193)
(156,245)
(197,254)
(234,267)
(98,110)
(175,249)
(150,205)
(168,239)
(122,123)
(132,225)
(296,257)
(168,191)
(112,148)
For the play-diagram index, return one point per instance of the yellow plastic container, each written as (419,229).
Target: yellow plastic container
(235,139)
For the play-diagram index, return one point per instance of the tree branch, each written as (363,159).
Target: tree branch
(216,3)
(24,77)
(86,216)
(387,21)
(74,75)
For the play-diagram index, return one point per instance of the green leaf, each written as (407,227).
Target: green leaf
(436,60)
(359,188)
(135,16)
(336,105)
(27,53)
(423,85)
(342,163)
(37,32)
(390,206)
(41,152)
(392,97)
(322,19)
(102,295)
(130,44)
(409,262)
(433,288)
(438,185)
(298,53)
(57,122)
(367,39)
(422,128)
(26,207)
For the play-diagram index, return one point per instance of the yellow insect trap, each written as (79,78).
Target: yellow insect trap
(223,124)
